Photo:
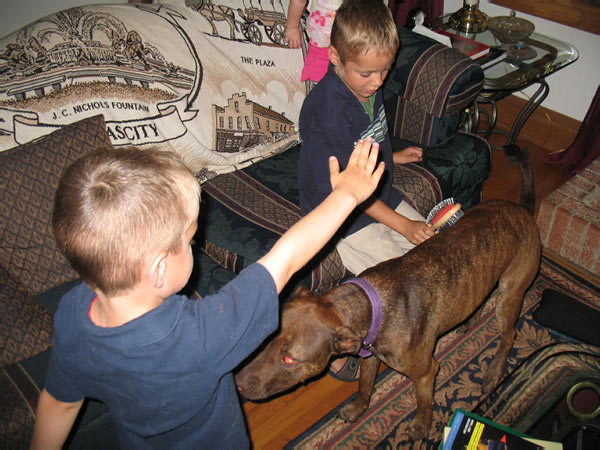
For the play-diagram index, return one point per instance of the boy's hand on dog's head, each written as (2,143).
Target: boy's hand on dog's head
(360,178)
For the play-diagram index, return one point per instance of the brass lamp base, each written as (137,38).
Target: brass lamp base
(468,20)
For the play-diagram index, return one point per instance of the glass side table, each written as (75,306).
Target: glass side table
(512,75)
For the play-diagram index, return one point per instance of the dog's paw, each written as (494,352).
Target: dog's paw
(417,431)
(464,328)
(493,376)
(488,387)
(490,382)
(352,411)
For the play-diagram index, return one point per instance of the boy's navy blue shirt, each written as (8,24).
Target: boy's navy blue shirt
(332,120)
(166,375)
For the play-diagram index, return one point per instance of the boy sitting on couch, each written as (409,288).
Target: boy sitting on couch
(347,105)
(161,362)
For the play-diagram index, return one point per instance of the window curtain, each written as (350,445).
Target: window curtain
(586,146)
(401,8)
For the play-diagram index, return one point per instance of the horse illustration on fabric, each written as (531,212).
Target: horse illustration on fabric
(214,13)
(251,20)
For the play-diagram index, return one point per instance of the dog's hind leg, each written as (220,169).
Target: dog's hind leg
(474,319)
(470,323)
(509,299)
(366,382)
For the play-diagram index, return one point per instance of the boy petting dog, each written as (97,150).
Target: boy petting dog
(162,362)
(345,106)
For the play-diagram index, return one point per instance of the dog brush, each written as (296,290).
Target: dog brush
(445,214)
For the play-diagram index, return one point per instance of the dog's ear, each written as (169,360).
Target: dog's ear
(344,341)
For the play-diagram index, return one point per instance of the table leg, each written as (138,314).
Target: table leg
(511,137)
(491,119)
(492,122)
(531,105)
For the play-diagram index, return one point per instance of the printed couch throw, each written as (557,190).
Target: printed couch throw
(212,80)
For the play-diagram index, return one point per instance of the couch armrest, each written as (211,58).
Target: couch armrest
(427,88)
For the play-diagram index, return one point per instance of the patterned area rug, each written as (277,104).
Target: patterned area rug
(464,359)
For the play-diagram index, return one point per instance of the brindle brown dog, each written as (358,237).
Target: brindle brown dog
(425,293)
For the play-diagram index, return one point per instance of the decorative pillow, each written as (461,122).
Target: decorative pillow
(213,82)
(569,316)
(20,386)
(25,327)
(17,406)
(29,177)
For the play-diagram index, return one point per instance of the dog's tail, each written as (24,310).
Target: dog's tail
(521,157)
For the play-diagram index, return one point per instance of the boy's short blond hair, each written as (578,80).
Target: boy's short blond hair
(115,207)
(361,25)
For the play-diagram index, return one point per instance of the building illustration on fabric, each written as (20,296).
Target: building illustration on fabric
(90,45)
(160,76)
(251,23)
(244,123)
(80,62)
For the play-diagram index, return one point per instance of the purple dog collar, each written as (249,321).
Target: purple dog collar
(376,310)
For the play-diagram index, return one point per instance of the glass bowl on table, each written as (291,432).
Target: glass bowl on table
(512,31)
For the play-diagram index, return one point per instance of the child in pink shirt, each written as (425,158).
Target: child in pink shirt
(320,20)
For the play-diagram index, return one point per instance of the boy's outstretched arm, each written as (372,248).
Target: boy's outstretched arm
(307,236)
(53,421)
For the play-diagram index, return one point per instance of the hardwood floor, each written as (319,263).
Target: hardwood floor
(505,180)
(545,132)
(273,424)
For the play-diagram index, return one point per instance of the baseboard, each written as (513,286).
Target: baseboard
(547,128)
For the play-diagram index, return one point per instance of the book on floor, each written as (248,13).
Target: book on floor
(472,432)
(466,46)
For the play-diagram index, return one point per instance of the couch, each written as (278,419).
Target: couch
(424,94)
(146,94)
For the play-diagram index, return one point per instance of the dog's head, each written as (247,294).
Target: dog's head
(310,333)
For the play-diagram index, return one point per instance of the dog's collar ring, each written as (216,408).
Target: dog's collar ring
(376,315)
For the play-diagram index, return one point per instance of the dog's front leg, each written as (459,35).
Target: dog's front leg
(368,373)
(424,386)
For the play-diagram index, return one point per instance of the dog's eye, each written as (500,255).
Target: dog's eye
(289,360)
